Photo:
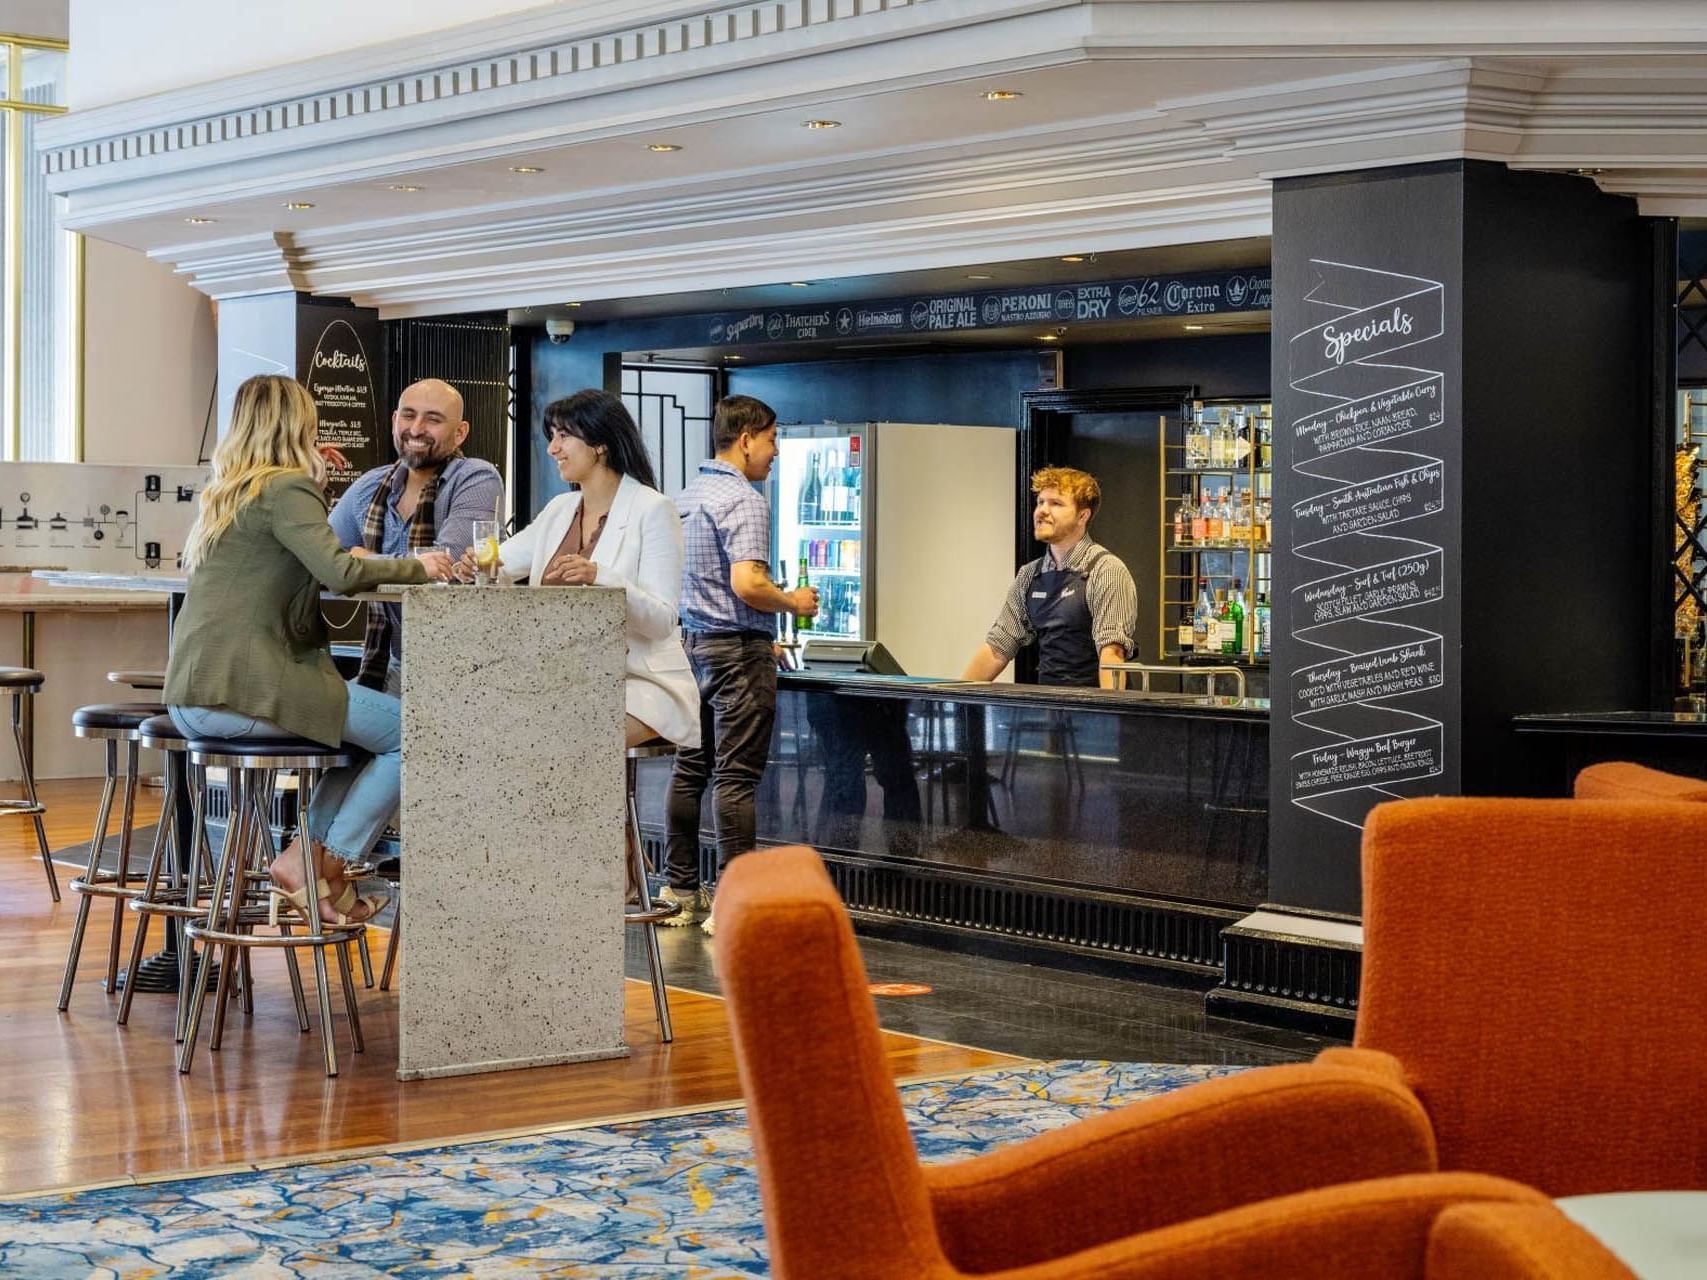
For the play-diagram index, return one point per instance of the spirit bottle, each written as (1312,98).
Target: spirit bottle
(1262,623)
(1196,440)
(811,492)
(1232,634)
(1200,523)
(1203,618)
(1182,522)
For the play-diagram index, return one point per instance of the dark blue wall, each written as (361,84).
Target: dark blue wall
(973,387)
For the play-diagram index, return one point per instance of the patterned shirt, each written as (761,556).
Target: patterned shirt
(725,520)
(1109,591)
(470,489)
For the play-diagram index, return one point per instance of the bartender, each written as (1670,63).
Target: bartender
(1078,602)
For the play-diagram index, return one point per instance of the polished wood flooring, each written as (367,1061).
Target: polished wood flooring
(82,1100)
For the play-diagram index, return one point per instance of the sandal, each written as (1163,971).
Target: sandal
(341,906)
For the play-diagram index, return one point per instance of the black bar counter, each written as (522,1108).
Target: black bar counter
(1122,825)
(1675,741)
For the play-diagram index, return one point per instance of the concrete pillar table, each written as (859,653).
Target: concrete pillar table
(512,825)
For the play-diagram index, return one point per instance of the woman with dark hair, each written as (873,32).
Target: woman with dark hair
(615,530)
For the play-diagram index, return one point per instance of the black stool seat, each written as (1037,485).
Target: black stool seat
(258,748)
(19,678)
(159,729)
(115,715)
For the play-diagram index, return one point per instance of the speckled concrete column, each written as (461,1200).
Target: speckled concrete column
(512,828)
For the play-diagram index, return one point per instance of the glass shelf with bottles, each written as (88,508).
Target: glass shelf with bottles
(1217,512)
(830,494)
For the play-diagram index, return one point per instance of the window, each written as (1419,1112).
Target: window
(41,301)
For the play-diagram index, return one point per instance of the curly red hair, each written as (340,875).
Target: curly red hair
(1080,486)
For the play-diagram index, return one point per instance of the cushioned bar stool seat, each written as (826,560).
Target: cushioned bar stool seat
(112,723)
(645,911)
(252,766)
(21,683)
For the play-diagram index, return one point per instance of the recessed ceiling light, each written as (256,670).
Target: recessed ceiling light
(571,304)
(734,357)
(1049,337)
(1193,328)
(298,204)
(405,186)
(198,221)
(662,146)
(1072,257)
(1588,172)
(526,168)
(1002,95)
(821,124)
(979,276)
(799,284)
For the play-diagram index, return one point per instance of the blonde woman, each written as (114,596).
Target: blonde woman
(249,652)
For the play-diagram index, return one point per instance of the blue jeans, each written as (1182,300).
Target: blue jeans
(351,805)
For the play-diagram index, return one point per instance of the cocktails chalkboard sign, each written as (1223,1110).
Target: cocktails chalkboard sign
(336,350)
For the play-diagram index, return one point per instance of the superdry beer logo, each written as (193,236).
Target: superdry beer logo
(774,326)
(845,321)
(1064,303)
(745,325)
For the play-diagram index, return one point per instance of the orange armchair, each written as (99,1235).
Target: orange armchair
(1621,780)
(1226,1178)
(1516,1242)
(1534,970)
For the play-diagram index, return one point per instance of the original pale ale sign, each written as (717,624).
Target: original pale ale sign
(337,368)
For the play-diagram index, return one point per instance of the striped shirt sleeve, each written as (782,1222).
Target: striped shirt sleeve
(1113,599)
(1011,630)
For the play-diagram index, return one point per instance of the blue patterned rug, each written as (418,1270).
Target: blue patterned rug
(674,1196)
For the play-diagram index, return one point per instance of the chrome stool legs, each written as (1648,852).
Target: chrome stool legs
(95,882)
(30,805)
(650,910)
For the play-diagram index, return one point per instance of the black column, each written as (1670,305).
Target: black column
(1463,471)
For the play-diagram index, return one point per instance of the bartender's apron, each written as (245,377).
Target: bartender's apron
(1059,611)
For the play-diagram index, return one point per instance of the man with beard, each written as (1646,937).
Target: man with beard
(1077,603)
(429,497)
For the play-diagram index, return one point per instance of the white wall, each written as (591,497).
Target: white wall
(149,358)
(121,49)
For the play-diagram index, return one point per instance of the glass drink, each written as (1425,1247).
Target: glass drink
(485,548)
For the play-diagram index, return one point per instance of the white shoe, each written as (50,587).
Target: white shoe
(696,907)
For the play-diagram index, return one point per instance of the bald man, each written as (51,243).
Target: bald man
(429,497)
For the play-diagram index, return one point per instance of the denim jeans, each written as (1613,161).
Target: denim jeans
(736,674)
(351,805)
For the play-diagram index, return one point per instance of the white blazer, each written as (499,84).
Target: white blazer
(641,552)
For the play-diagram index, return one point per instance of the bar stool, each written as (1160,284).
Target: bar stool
(650,910)
(251,766)
(21,683)
(112,723)
(180,896)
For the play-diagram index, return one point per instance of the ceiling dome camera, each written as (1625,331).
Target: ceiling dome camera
(559,330)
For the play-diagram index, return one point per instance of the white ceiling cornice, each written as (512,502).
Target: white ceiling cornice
(1122,166)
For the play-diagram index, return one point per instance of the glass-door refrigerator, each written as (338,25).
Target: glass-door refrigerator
(822,513)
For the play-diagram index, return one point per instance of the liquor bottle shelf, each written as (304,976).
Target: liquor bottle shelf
(828,524)
(1182,548)
(1218,471)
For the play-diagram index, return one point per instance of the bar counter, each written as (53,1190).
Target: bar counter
(1117,824)
(1563,744)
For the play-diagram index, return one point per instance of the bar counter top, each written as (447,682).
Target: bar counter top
(1689,724)
(1123,701)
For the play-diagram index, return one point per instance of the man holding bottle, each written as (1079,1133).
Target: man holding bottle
(728,606)
(1078,603)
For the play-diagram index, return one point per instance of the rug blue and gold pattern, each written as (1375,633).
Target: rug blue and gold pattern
(666,1196)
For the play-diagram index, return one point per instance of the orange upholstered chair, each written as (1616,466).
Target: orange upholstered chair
(1491,1241)
(1535,971)
(1226,1178)
(1620,780)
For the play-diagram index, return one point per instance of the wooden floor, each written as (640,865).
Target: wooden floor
(82,1100)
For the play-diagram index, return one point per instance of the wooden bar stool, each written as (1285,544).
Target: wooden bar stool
(645,912)
(112,723)
(252,765)
(21,683)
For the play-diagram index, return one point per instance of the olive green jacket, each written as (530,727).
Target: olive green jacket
(250,637)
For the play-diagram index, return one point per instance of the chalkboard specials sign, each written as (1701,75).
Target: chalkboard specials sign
(1366,452)
(336,351)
